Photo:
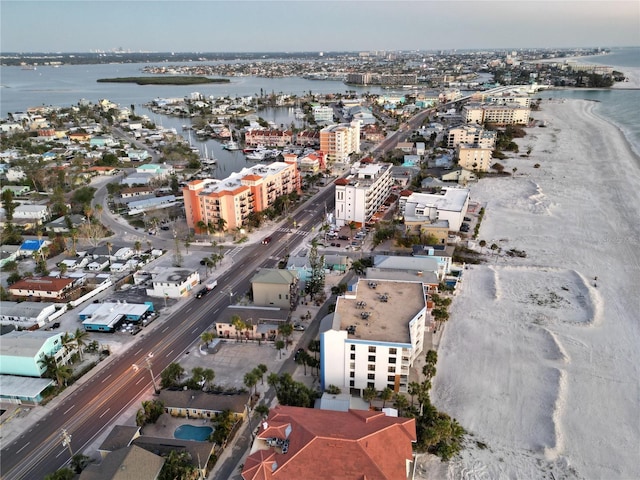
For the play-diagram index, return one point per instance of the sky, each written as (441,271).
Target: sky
(313,25)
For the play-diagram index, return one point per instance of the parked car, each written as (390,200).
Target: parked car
(298,327)
(343,237)
(467,219)
(297,354)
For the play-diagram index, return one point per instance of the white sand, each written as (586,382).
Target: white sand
(537,362)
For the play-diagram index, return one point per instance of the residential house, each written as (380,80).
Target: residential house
(39,213)
(128,463)
(199,404)
(461,176)
(65,223)
(51,288)
(295,442)
(8,253)
(273,287)
(261,324)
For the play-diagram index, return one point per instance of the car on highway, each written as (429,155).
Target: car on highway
(202,292)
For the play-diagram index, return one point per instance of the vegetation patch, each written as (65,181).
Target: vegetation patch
(172,80)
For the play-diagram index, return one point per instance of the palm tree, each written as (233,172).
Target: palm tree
(208,375)
(250,381)
(262,368)
(137,246)
(279,346)
(109,247)
(197,375)
(285,330)
(238,324)
(60,373)
(221,225)
(369,394)
(201,226)
(207,337)
(483,244)
(401,403)
(412,389)
(385,395)
(80,339)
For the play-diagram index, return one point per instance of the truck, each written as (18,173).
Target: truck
(211,285)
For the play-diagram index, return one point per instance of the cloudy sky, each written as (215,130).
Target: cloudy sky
(318,25)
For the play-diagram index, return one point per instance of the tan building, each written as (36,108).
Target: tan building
(199,404)
(496,114)
(235,197)
(274,287)
(340,141)
(473,134)
(268,138)
(474,157)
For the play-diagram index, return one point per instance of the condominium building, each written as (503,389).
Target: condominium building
(268,137)
(231,200)
(340,141)
(474,157)
(360,194)
(359,78)
(496,114)
(375,336)
(472,134)
(509,99)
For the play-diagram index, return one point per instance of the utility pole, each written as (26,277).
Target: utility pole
(66,441)
(147,361)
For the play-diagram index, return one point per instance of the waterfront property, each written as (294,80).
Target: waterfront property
(230,201)
(309,443)
(422,209)
(374,336)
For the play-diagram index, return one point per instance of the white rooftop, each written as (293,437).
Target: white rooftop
(449,199)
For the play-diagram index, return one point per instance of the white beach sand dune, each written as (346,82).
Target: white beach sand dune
(540,361)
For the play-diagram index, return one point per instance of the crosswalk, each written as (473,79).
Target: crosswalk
(302,233)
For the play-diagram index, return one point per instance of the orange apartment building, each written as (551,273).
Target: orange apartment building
(252,189)
(340,141)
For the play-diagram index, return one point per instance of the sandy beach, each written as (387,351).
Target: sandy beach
(540,361)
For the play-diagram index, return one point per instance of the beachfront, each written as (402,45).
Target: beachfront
(539,361)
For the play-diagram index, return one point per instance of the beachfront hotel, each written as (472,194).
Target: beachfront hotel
(474,157)
(473,134)
(374,337)
(232,199)
(359,195)
(496,114)
(340,141)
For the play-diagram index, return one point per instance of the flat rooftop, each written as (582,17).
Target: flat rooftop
(388,321)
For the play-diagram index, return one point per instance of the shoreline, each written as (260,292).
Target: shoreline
(537,381)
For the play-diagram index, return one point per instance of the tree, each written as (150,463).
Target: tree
(178,465)
(80,339)
(79,462)
(262,410)
(239,325)
(333,390)
(369,394)
(280,346)
(59,372)
(221,225)
(197,377)
(386,395)
(302,359)
(412,389)
(250,381)
(315,284)
(285,330)
(400,402)
(482,244)
(170,376)
(515,169)
(62,474)
(137,246)
(8,204)
(208,375)
(262,369)
(207,337)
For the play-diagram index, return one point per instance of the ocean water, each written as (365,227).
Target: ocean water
(619,106)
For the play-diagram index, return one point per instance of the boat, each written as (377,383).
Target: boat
(207,159)
(231,144)
(257,155)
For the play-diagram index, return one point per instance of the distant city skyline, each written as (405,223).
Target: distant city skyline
(313,25)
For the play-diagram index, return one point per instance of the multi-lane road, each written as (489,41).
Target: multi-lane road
(98,403)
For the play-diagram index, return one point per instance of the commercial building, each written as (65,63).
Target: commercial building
(375,336)
(313,444)
(322,113)
(268,137)
(449,204)
(274,287)
(173,283)
(496,114)
(359,195)
(108,316)
(22,352)
(232,199)
(340,141)
(26,314)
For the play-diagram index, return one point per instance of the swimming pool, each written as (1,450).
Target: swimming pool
(190,432)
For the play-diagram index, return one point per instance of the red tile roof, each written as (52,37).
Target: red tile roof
(42,284)
(327,444)
(341,181)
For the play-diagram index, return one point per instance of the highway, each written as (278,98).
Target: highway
(97,404)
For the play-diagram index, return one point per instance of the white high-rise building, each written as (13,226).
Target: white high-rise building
(337,142)
(362,193)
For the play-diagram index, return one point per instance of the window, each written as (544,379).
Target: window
(391,369)
(353,356)
(352,366)
(371,385)
(393,351)
(372,349)
(352,383)
(391,378)
(353,347)
(371,368)
(352,374)
(392,359)
(371,376)
(372,358)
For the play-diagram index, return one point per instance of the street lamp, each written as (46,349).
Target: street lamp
(148,365)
